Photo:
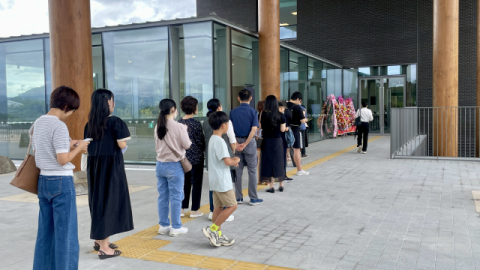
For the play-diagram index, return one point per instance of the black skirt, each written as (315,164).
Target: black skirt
(272,161)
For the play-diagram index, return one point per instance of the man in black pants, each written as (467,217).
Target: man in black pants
(295,117)
(366,116)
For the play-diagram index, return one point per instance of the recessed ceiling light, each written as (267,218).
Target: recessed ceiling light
(294,13)
(283,24)
(193,56)
(129,61)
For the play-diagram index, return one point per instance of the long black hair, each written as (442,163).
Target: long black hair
(165,106)
(271,107)
(213,105)
(99,112)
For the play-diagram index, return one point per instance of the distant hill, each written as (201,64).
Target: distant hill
(37,93)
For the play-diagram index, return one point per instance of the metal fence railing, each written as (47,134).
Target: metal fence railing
(436,132)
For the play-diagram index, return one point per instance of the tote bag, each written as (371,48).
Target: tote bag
(27,174)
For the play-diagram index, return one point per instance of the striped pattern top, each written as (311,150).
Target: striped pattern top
(51,137)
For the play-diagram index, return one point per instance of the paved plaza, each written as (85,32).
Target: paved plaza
(353,211)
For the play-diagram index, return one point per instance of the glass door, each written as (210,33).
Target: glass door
(370,93)
(382,94)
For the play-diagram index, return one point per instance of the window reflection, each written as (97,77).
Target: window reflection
(22,93)
(195,62)
(136,63)
(288,19)
(245,66)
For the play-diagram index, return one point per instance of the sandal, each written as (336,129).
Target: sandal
(104,255)
(96,246)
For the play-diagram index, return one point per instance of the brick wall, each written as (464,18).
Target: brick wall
(243,12)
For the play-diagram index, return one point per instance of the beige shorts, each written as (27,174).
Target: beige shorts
(224,199)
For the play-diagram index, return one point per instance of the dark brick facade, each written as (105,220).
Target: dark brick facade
(371,32)
(243,12)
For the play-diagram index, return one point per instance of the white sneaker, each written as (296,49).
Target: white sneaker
(210,216)
(182,214)
(364,152)
(164,230)
(230,218)
(195,214)
(359,150)
(179,231)
(302,172)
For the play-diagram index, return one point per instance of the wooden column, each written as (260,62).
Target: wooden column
(445,77)
(71,57)
(269,43)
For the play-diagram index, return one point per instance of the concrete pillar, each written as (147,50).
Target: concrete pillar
(445,77)
(269,38)
(71,57)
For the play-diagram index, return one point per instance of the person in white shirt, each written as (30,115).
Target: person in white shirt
(366,117)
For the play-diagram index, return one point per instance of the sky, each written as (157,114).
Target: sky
(25,17)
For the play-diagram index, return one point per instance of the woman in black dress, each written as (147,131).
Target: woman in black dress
(108,196)
(194,178)
(272,123)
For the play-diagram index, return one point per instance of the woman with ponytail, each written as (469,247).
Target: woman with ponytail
(214,105)
(108,197)
(171,143)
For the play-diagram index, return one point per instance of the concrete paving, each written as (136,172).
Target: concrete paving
(352,212)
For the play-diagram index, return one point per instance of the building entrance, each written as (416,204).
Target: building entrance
(382,94)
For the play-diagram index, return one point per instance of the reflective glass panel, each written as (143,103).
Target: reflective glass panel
(350,81)
(316,96)
(222,71)
(195,62)
(22,93)
(288,19)
(411,91)
(136,71)
(136,63)
(244,66)
(97,62)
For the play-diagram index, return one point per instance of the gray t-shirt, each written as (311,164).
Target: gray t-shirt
(51,137)
(219,176)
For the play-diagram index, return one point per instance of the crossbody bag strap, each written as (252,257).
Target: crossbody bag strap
(171,149)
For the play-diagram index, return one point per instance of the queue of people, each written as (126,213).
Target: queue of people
(227,144)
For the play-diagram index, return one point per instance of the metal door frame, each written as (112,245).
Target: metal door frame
(382,95)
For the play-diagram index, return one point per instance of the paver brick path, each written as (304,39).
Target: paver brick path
(352,212)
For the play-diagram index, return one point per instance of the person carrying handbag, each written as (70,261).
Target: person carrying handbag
(57,244)
(171,143)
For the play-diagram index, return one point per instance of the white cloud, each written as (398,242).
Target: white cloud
(25,17)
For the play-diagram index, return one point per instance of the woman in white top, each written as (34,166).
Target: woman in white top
(366,116)
(57,237)
(214,105)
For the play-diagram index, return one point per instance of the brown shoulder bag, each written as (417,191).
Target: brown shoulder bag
(27,174)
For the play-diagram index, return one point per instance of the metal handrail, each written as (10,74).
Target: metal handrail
(434,132)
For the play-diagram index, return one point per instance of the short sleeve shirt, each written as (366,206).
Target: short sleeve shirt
(219,176)
(243,118)
(195,133)
(50,137)
(269,130)
(297,115)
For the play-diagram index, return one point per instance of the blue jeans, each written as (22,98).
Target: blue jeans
(57,239)
(170,178)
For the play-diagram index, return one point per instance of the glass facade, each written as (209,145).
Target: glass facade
(288,19)
(142,66)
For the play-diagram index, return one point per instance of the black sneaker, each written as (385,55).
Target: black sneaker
(288,179)
(280,189)
(271,190)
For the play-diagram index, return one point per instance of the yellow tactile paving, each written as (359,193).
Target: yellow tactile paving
(141,245)
(188,259)
(160,256)
(327,158)
(248,266)
(216,263)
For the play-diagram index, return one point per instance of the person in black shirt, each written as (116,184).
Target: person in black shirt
(295,118)
(272,123)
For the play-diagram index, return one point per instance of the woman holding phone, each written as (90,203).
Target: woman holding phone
(108,196)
